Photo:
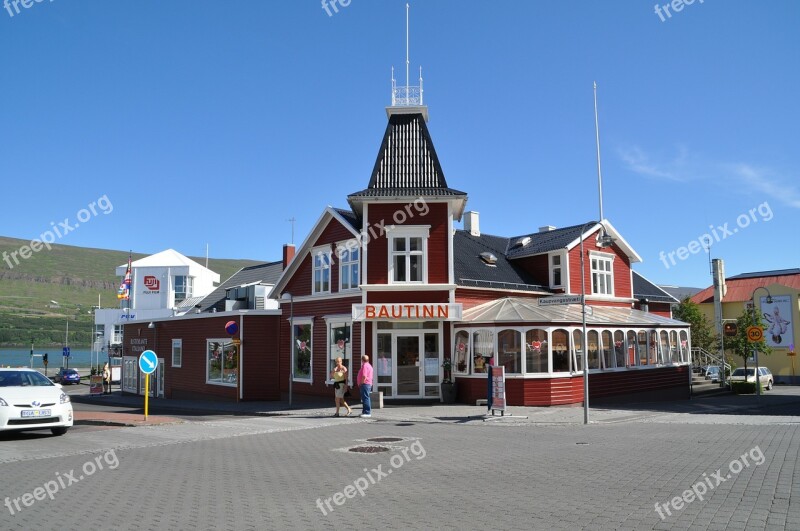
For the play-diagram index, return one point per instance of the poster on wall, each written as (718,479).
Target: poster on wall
(777,317)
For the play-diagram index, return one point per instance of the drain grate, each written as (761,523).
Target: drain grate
(368,449)
(385,439)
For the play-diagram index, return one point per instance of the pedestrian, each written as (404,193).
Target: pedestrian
(365,385)
(339,375)
(106,379)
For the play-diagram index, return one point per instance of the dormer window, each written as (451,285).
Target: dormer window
(488,258)
(557,270)
(602,273)
(408,254)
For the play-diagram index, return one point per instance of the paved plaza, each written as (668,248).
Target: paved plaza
(431,467)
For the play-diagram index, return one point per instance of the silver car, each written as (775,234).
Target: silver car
(764,376)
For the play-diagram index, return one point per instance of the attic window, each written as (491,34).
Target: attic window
(488,258)
(522,242)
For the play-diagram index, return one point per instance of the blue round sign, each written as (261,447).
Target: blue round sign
(148,361)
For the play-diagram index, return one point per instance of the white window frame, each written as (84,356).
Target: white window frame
(179,344)
(188,287)
(345,249)
(605,258)
(224,342)
(562,256)
(324,251)
(348,350)
(405,231)
(300,322)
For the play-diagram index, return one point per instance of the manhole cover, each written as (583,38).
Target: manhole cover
(368,449)
(385,439)
(404,424)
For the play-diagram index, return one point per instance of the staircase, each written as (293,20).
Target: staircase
(700,386)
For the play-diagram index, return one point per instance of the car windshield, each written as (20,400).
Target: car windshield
(740,372)
(23,378)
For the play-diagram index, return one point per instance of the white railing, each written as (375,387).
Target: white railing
(703,358)
(407,96)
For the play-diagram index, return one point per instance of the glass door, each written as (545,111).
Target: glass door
(409,365)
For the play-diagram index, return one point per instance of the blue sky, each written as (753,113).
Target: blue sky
(215,122)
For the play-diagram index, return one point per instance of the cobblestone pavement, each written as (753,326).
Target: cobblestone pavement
(448,470)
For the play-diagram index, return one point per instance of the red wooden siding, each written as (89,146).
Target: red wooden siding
(621,269)
(408,296)
(537,267)
(382,214)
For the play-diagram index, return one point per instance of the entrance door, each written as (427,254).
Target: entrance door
(409,365)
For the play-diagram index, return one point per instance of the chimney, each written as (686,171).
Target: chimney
(288,254)
(471,223)
(547,228)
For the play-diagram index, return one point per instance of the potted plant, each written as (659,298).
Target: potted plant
(448,386)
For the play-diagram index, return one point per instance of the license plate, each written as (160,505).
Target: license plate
(35,413)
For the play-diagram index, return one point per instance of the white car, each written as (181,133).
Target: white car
(30,401)
(764,375)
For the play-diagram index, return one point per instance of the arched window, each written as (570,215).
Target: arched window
(537,350)
(461,357)
(577,342)
(684,346)
(593,346)
(509,350)
(633,349)
(482,350)
(653,346)
(619,348)
(643,351)
(608,353)
(673,346)
(664,350)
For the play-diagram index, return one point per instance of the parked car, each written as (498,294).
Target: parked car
(67,376)
(764,376)
(713,373)
(30,401)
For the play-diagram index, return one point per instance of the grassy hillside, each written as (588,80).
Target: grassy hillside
(71,276)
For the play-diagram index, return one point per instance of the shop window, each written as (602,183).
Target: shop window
(348,267)
(684,346)
(177,352)
(593,346)
(633,349)
(556,269)
(537,351)
(302,352)
(483,350)
(602,273)
(321,282)
(509,351)
(383,364)
(561,350)
(655,359)
(222,362)
(619,348)
(408,254)
(184,288)
(461,355)
(339,346)
(577,337)
(608,352)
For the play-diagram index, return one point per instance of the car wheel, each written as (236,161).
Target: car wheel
(59,431)
(769,385)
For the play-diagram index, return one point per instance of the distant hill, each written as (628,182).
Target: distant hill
(72,277)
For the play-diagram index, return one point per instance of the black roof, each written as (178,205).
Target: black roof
(350,217)
(267,273)
(545,241)
(472,271)
(681,292)
(759,274)
(407,164)
(644,289)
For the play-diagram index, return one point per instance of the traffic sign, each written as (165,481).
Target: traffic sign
(66,352)
(566,299)
(754,334)
(148,361)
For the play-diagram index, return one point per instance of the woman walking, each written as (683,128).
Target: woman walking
(339,375)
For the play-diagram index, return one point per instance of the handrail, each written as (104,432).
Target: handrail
(702,358)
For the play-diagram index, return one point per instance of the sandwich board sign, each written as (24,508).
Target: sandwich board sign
(497,389)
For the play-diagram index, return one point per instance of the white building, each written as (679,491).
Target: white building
(162,285)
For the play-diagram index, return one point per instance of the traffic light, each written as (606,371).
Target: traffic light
(44,358)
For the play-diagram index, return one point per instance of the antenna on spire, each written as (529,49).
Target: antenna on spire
(407,96)
(292,220)
(597,139)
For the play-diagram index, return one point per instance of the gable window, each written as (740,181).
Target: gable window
(184,288)
(408,248)
(348,267)
(556,279)
(602,274)
(321,282)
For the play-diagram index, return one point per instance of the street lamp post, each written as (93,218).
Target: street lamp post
(290,298)
(755,350)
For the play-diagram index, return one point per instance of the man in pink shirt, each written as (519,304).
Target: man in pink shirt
(365,384)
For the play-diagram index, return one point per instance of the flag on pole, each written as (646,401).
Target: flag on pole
(124,292)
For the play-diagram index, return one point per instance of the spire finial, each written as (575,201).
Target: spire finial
(407,96)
